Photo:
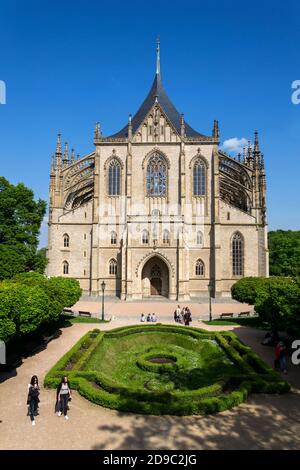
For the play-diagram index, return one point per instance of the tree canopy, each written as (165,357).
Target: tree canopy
(284,247)
(20,221)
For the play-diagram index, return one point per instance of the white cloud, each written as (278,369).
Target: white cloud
(234,144)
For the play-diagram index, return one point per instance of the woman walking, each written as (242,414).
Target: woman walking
(33,398)
(63,396)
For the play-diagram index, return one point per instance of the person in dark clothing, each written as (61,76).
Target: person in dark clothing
(187,317)
(63,396)
(33,398)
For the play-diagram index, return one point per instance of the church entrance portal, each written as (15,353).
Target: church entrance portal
(155,278)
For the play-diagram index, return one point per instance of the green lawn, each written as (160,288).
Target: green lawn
(72,319)
(254,322)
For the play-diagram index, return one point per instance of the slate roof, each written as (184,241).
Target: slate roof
(157,91)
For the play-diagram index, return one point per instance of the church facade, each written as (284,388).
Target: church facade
(158,209)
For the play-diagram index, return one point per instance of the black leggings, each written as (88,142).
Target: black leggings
(64,403)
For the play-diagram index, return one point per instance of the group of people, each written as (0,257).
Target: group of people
(151,317)
(183,316)
(63,397)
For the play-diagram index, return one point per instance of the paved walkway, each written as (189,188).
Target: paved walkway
(264,422)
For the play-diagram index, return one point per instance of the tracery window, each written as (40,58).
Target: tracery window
(166,237)
(113,267)
(65,267)
(199,268)
(66,240)
(237,254)
(145,237)
(156,177)
(199,178)
(113,238)
(114,174)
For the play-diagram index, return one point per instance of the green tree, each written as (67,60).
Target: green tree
(20,221)
(284,247)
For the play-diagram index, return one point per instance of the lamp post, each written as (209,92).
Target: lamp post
(103,285)
(210,287)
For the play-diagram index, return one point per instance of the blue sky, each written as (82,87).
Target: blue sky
(69,64)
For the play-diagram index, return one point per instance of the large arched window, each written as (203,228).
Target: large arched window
(114,174)
(199,270)
(66,240)
(199,178)
(113,238)
(65,267)
(199,238)
(145,237)
(166,237)
(237,254)
(113,267)
(156,177)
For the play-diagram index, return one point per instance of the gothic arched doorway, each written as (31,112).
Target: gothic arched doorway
(155,278)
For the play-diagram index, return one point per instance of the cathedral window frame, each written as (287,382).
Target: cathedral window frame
(145,237)
(166,237)
(199,180)
(163,183)
(66,267)
(66,240)
(237,265)
(113,267)
(113,237)
(199,268)
(107,164)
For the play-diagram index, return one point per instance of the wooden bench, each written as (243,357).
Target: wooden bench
(244,314)
(68,311)
(224,315)
(84,314)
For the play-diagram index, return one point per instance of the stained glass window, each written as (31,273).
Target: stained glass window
(237,255)
(65,267)
(199,268)
(156,177)
(114,178)
(113,267)
(199,179)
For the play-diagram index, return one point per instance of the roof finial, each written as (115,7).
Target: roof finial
(158,56)
(58,145)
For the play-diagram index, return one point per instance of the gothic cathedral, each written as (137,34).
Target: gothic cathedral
(158,209)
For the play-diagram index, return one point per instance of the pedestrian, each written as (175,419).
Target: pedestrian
(153,318)
(63,396)
(182,315)
(143,318)
(178,312)
(187,317)
(282,358)
(33,398)
(149,317)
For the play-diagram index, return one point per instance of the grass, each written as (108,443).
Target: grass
(72,319)
(254,322)
(210,371)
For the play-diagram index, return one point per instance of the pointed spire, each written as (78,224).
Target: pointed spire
(58,145)
(158,56)
(244,156)
(249,156)
(78,156)
(216,130)
(72,156)
(66,155)
(239,157)
(256,151)
(182,126)
(262,164)
(52,165)
(97,132)
(129,127)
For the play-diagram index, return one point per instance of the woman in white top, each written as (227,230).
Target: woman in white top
(63,396)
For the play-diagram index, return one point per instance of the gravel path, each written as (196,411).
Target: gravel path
(264,422)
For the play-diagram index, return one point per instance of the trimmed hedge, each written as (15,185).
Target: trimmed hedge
(253,376)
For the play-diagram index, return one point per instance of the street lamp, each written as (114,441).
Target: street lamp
(103,285)
(210,288)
